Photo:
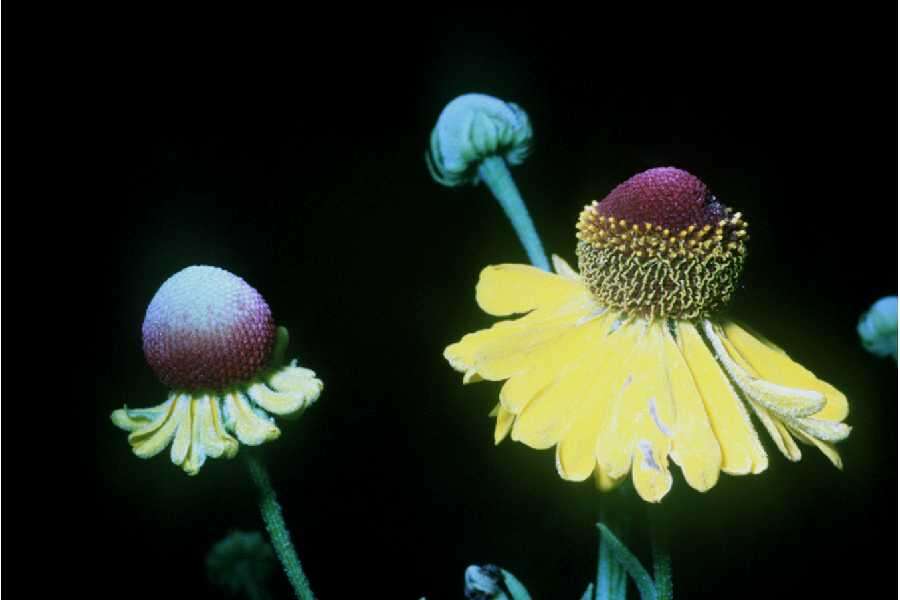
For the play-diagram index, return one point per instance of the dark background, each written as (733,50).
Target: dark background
(307,178)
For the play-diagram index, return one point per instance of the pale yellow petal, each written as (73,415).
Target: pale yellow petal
(208,437)
(827,431)
(298,381)
(506,289)
(742,452)
(827,449)
(778,432)
(504,424)
(773,364)
(780,400)
(155,436)
(216,440)
(694,445)
(549,413)
(182,441)
(132,419)
(563,269)
(279,403)
(250,428)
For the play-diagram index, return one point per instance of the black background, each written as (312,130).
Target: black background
(300,168)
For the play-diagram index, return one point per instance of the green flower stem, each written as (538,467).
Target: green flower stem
(281,539)
(495,174)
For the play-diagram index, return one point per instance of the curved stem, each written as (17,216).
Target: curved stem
(281,539)
(495,174)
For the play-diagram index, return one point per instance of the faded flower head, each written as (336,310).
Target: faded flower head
(209,336)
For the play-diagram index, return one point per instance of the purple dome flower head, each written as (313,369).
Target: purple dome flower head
(210,337)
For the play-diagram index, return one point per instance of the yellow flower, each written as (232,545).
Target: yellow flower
(630,363)
(210,336)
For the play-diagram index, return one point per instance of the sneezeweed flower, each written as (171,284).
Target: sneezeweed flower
(210,337)
(878,328)
(631,362)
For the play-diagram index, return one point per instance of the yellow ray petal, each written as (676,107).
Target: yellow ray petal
(504,424)
(505,349)
(182,442)
(778,399)
(132,419)
(630,437)
(506,289)
(543,364)
(208,437)
(773,363)
(649,400)
(154,437)
(827,431)
(279,403)
(549,413)
(741,451)
(827,449)
(292,379)
(563,269)
(778,432)
(694,445)
(576,453)
(250,428)
(216,440)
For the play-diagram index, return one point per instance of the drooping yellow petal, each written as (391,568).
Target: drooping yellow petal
(506,348)
(649,399)
(742,452)
(208,437)
(504,423)
(576,453)
(778,399)
(630,437)
(542,365)
(279,403)
(549,413)
(773,364)
(132,419)
(694,445)
(563,269)
(182,441)
(827,449)
(506,289)
(778,432)
(251,428)
(155,436)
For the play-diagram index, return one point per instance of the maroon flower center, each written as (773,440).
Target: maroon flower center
(665,196)
(207,329)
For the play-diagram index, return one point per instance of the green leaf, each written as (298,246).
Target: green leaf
(632,565)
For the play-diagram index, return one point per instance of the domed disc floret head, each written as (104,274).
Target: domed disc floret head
(661,245)
(207,329)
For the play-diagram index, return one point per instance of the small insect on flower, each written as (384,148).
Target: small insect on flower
(210,337)
(630,362)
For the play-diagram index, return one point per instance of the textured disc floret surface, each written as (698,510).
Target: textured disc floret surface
(661,245)
(207,328)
